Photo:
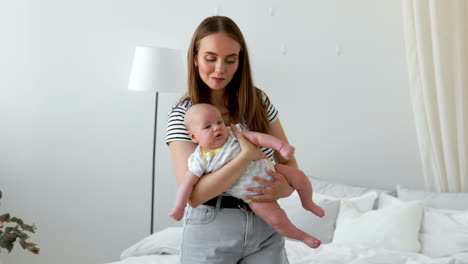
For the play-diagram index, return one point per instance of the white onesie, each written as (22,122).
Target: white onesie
(202,162)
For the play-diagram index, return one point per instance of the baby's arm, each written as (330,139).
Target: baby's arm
(183,194)
(270,141)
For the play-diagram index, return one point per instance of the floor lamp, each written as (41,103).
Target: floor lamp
(156,70)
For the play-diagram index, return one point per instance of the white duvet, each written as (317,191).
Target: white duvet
(335,253)
(162,248)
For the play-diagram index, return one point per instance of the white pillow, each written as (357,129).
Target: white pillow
(363,202)
(394,227)
(166,241)
(444,232)
(341,190)
(321,228)
(454,201)
(386,200)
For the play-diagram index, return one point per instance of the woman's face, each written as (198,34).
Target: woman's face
(217,60)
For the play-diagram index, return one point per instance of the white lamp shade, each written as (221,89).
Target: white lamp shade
(157,70)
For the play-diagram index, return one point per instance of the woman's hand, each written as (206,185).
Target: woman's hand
(248,150)
(273,190)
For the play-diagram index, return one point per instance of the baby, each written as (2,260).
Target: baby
(217,146)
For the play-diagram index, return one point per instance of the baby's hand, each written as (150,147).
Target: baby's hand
(287,151)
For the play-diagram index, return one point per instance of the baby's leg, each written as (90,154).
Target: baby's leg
(301,183)
(271,213)
(183,194)
(269,141)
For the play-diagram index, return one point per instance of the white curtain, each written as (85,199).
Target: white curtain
(436,36)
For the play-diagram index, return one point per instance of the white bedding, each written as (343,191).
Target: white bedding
(443,234)
(144,253)
(150,259)
(335,253)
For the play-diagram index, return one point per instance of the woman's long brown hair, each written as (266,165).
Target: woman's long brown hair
(244,100)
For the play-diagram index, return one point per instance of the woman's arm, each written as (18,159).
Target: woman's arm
(214,183)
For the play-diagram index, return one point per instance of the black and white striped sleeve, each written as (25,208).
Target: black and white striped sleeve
(272,112)
(176,130)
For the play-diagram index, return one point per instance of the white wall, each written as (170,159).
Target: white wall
(75,145)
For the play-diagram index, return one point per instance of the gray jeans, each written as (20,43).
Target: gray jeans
(229,236)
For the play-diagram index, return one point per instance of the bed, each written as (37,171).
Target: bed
(361,225)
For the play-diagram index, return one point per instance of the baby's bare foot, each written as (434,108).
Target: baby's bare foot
(312,242)
(287,151)
(177,214)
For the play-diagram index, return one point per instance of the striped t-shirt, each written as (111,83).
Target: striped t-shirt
(176,130)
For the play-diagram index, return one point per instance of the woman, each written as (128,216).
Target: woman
(222,229)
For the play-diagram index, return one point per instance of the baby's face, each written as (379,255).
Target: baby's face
(208,129)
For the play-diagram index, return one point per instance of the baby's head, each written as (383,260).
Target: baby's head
(206,126)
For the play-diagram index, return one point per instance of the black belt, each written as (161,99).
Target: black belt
(229,202)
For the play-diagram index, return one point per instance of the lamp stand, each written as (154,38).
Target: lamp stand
(154,161)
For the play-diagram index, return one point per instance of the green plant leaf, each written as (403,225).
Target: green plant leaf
(9,237)
(7,241)
(9,234)
(10,229)
(17,220)
(23,244)
(5,217)
(34,250)
(23,236)
(28,228)
(9,247)
(5,245)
